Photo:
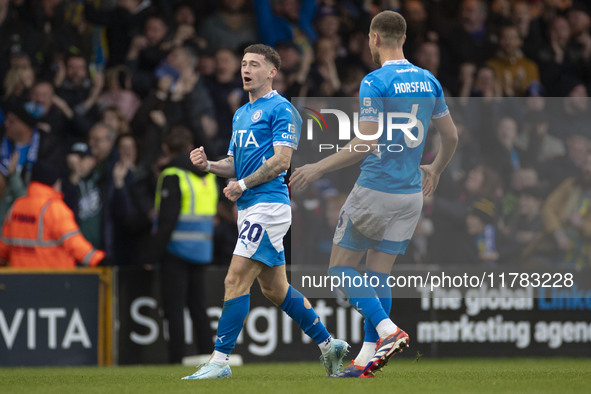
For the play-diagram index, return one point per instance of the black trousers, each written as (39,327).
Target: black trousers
(183,284)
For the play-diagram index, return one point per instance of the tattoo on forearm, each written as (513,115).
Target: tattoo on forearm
(264,174)
(225,167)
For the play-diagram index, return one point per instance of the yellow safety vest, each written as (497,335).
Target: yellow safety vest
(192,238)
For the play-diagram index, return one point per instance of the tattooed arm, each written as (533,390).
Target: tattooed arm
(270,169)
(223,168)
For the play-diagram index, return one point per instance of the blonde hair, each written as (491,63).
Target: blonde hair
(13,82)
(115,76)
(124,125)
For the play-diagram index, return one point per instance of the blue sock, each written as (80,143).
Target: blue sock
(309,322)
(385,295)
(231,322)
(362,298)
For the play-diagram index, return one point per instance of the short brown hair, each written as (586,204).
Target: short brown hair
(269,53)
(390,25)
(178,139)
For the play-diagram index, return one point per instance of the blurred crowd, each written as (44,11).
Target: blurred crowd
(95,85)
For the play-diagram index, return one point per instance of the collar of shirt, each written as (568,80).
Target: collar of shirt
(270,94)
(397,62)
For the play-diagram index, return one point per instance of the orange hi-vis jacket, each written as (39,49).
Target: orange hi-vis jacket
(40,232)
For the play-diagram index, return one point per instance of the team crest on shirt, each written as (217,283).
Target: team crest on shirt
(257,115)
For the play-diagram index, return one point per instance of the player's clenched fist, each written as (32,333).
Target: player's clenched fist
(233,191)
(199,158)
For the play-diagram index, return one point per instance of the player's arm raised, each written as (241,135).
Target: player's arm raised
(271,169)
(449,141)
(303,176)
(223,168)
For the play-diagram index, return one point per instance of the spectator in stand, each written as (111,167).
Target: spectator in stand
(286,20)
(450,210)
(530,28)
(80,163)
(295,69)
(93,191)
(579,20)
(146,52)
(522,178)
(23,144)
(470,40)
(41,231)
(353,75)
(478,83)
(428,56)
(19,79)
(556,58)
(418,30)
(180,98)
(567,216)
(324,78)
(186,205)
(149,122)
(578,148)
(514,71)
(231,26)
(81,94)
(207,64)
(118,92)
(482,235)
(500,12)
(328,25)
(122,23)
(127,220)
(226,92)
(48,21)
(526,231)
(541,146)
(52,112)
(113,117)
(184,32)
(18,36)
(503,155)
(191,102)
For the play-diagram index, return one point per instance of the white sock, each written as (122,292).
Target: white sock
(325,345)
(220,358)
(386,328)
(365,354)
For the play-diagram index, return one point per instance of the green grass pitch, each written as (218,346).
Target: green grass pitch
(513,375)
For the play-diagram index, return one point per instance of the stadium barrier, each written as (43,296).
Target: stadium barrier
(113,316)
(541,322)
(55,318)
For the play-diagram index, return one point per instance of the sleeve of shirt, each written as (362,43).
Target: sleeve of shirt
(272,29)
(440,109)
(370,100)
(307,13)
(231,147)
(287,126)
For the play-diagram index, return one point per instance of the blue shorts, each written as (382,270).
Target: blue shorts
(261,229)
